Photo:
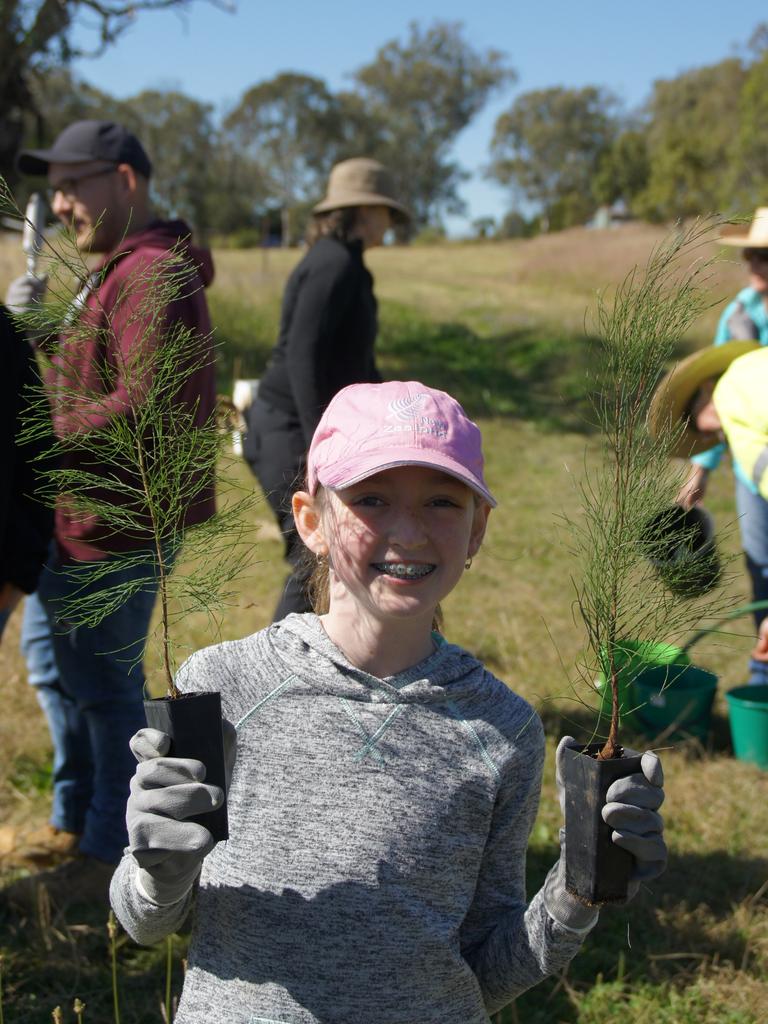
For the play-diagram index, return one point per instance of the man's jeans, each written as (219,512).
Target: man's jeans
(89,682)
(753,524)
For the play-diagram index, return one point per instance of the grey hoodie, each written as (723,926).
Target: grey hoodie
(375,870)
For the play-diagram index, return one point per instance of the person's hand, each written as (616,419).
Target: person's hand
(702,409)
(708,421)
(693,490)
(165,791)
(760,650)
(24,292)
(631,810)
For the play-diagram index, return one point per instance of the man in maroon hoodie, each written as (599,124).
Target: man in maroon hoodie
(89,681)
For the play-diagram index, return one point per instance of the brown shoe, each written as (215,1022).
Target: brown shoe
(44,847)
(83,880)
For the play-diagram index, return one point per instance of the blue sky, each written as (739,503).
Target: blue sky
(624,46)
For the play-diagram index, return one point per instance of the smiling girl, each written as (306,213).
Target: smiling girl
(385,783)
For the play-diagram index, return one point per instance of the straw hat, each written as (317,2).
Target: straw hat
(360,182)
(755,238)
(675,391)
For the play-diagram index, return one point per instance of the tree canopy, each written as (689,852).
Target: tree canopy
(288,130)
(419,94)
(695,146)
(548,147)
(692,132)
(406,109)
(274,148)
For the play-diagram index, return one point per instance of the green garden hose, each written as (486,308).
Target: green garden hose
(745,609)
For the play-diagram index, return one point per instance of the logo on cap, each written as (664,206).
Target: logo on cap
(405,408)
(407,411)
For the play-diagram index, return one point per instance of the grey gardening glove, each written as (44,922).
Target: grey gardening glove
(631,806)
(164,792)
(631,811)
(24,292)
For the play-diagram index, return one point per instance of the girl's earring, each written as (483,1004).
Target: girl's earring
(325,559)
(468,564)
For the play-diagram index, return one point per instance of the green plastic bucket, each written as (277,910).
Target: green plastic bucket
(748,714)
(675,700)
(634,657)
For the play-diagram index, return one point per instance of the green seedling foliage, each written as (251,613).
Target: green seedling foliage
(620,596)
(141,459)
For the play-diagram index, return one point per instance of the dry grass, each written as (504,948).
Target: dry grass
(696,949)
(550,278)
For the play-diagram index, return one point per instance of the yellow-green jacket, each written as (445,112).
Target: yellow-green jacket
(741,400)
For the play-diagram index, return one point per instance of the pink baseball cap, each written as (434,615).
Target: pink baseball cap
(368,428)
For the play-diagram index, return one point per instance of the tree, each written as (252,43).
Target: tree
(757,44)
(36,35)
(237,198)
(417,96)
(548,147)
(288,128)
(513,225)
(65,99)
(625,503)
(750,158)
(692,138)
(484,227)
(179,136)
(197,174)
(623,169)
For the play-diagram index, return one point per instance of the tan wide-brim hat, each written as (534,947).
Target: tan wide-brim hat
(361,182)
(676,390)
(756,237)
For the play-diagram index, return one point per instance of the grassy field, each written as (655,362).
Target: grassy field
(505,328)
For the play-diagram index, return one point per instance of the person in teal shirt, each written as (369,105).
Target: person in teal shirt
(744,319)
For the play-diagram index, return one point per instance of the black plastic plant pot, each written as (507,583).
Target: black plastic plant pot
(680,544)
(193,721)
(596,869)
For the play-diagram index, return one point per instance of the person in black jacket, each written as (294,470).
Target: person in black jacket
(26,523)
(327,334)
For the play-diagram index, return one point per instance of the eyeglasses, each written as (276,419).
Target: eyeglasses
(758,255)
(69,187)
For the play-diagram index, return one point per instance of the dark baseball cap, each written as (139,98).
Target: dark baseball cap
(88,140)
